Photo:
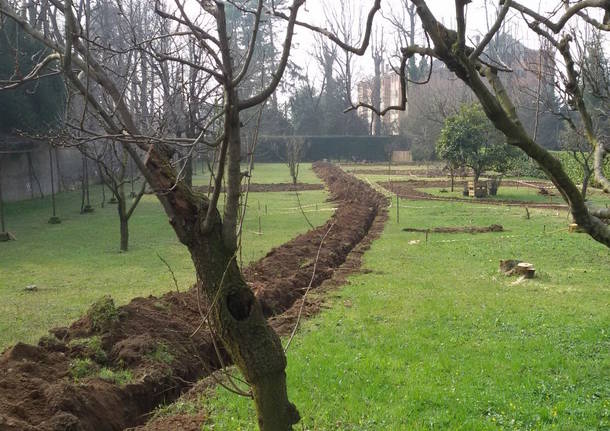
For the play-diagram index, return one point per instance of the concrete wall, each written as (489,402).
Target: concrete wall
(18,184)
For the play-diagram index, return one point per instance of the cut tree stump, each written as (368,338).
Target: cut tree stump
(6,236)
(574,228)
(526,269)
(516,267)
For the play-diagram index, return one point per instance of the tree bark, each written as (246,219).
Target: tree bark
(598,166)
(123,220)
(237,315)
(124,223)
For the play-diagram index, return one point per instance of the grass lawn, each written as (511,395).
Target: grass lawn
(434,338)
(267,173)
(77,261)
(526,194)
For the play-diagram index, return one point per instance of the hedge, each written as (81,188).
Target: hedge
(529,168)
(358,148)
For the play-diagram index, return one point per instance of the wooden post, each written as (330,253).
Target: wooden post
(54,219)
(397,208)
(31,176)
(266,213)
(87,208)
(259,218)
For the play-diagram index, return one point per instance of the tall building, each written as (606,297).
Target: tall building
(389,96)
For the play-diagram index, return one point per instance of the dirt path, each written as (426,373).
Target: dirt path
(156,339)
(409,190)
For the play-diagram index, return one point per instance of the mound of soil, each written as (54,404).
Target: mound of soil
(276,187)
(409,189)
(158,343)
(429,173)
(464,229)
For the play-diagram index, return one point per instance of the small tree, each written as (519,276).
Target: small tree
(295,148)
(469,140)
(573,141)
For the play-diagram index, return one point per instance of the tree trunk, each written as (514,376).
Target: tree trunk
(585,180)
(124,233)
(188,171)
(598,166)
(237,316)
(123,218)
(452,171)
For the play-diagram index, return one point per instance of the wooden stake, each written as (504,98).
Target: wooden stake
(397,208)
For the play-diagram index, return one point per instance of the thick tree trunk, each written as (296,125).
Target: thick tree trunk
(188,172)
(244,331)
(124,233)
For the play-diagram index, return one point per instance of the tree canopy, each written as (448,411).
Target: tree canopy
(468,139)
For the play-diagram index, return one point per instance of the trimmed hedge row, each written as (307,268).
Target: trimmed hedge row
(359,148)
(529,168)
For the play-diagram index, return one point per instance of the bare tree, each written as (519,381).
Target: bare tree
(210,237)
(377,54)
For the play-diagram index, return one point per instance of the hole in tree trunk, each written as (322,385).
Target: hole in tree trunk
(240,304)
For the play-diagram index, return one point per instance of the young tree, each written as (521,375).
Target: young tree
(468,139)
(574,142)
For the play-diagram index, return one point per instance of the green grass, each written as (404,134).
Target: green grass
(77,262)
(526,194)
(434,338)
(268,173)
(82,369)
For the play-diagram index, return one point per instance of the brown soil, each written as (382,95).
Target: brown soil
(464,229)
(38,393)
(277,187)
(409,189)
(430,173)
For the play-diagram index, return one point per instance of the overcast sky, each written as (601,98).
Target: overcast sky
(444,10)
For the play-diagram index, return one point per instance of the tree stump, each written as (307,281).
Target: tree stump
(574,228)
(6,236)
(526,269)
(516,267)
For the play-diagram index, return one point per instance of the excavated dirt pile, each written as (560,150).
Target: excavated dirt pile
(112,367)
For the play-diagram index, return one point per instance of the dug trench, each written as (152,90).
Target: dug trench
(111,368)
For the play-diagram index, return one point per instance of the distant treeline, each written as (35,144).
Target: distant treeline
(355,148)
